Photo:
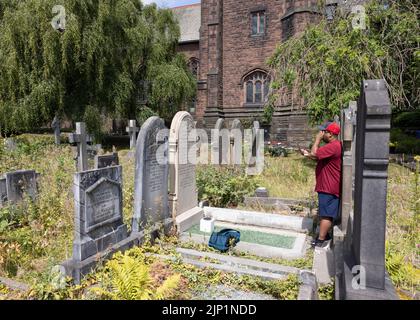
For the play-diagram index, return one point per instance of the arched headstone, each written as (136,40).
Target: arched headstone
(182,183)
(151,175)
(236,136)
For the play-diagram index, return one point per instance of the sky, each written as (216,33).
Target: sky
(171,3)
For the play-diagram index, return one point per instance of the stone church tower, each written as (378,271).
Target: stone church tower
(227,43)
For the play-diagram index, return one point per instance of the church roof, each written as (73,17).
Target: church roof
(189,18)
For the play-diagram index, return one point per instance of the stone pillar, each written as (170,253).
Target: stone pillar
(368,236)
(347,170)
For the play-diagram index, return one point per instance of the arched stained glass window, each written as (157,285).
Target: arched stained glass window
(256,87)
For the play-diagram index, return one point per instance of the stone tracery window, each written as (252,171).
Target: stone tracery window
(193,65)
(256,86)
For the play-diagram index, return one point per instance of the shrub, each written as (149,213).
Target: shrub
(224,186)
(404,143)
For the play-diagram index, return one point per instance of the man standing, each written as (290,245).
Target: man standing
(328,177)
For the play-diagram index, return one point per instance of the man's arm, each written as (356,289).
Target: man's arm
(315,147)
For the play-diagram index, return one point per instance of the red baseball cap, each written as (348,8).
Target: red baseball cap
(334,128)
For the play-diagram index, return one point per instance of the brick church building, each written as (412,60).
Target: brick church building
(227,43)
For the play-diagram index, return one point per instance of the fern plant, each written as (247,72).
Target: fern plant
(128,278)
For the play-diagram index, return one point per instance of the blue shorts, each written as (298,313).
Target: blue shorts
(329,205)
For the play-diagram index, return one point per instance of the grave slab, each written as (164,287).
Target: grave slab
(243,217)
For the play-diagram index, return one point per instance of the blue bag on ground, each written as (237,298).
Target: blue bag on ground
(222,239)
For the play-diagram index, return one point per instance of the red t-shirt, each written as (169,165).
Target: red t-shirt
(328,169)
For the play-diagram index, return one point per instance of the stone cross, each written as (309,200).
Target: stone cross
(132,130)
(81,139)
(56,126)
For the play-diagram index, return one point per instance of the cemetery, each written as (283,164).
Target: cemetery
(172,209)
(68,231)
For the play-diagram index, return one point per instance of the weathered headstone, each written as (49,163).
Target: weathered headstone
(132,130)
(99,228)
(236,139)
(220,139)
(3,191)
(151,175)
(254,140)
(80,138)
(261,192)
(368,236)
(10,144)
(98,205)
(107,160)
(182,184)
(56,126)
(21,183)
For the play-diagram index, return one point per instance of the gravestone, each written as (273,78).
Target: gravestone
(182,184)
(21,183)
(98,205)
(254,140)
(368,234)
(132,130)
(108,160)
(56,126)
(10,144)
(151,176)
(99,228)
(220,138)
(261,192)
(3,191)
(80,139)
(236,139)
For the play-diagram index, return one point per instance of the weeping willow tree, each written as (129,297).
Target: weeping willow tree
(327,62)
(100,63)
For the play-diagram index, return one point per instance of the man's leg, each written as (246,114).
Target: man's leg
(324,227)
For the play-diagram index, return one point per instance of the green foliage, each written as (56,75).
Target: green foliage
(327,62)
(127,277)
(287,289)
(326,292)
(107,49)
(92,119)
(144,113)
(404,143)
(224,186)
(403,273)
(276,151)
(407,120)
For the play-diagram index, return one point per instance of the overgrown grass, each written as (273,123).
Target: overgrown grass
(34,236)
(288,177)
(294,177)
